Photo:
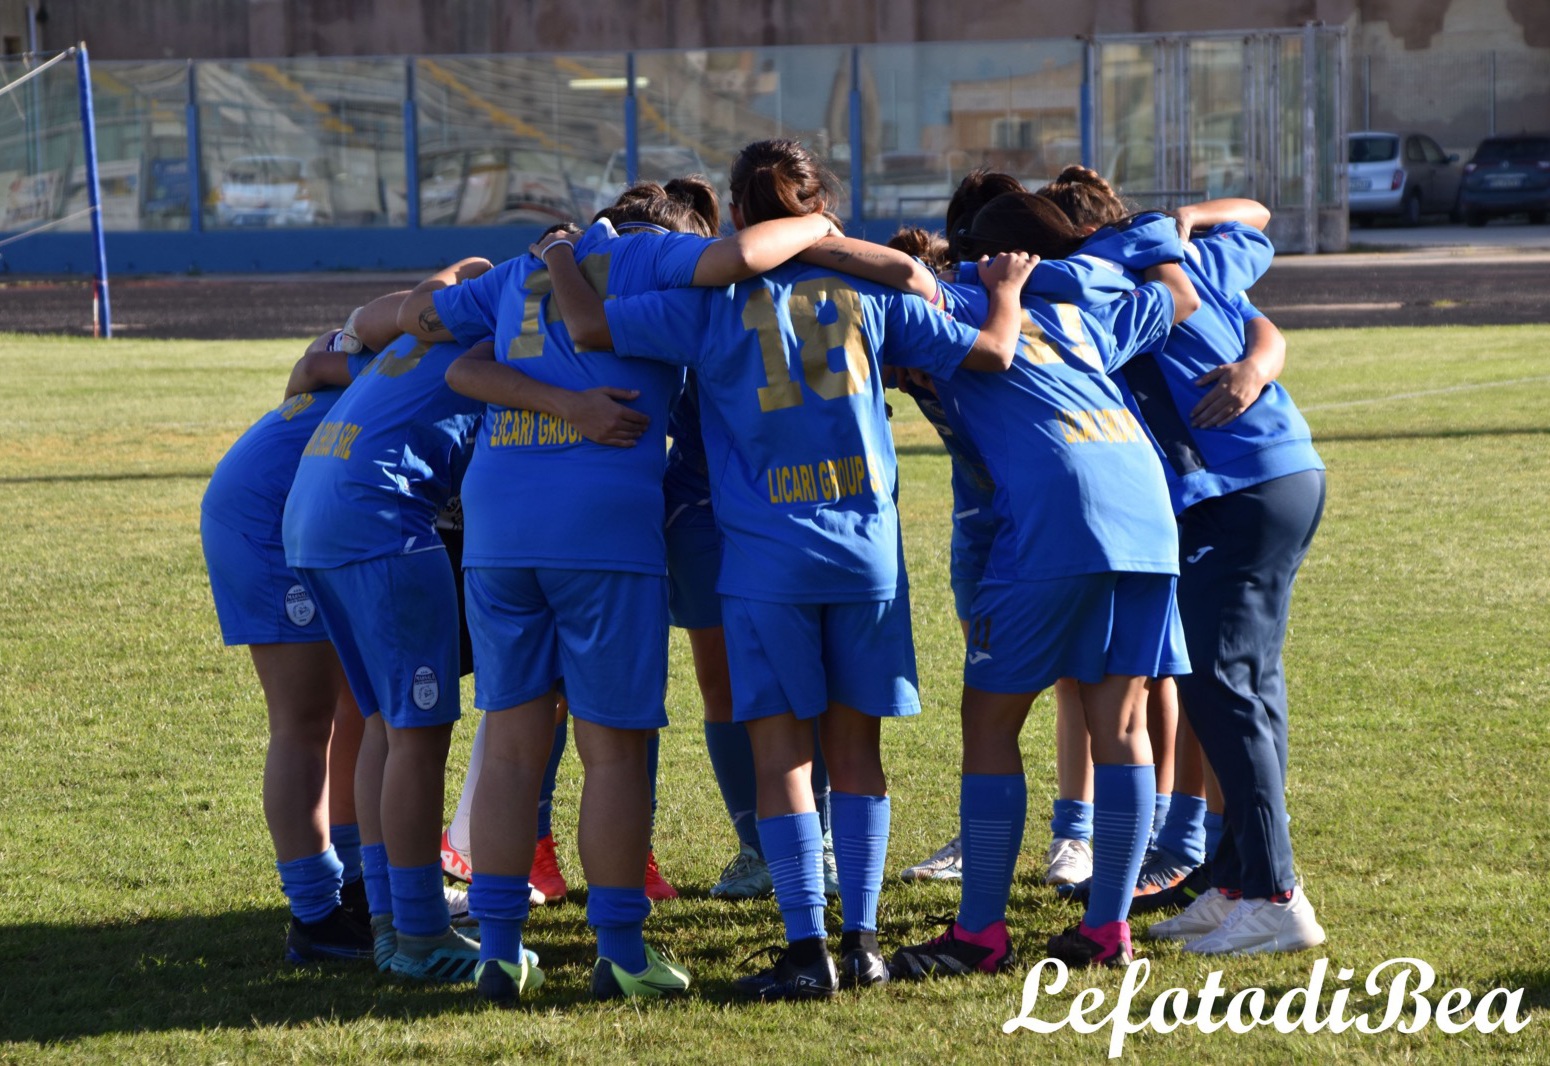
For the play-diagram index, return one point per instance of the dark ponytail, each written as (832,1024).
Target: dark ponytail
(1024,222)
(1085,198)
(781,179)
(977,189)
(695,192)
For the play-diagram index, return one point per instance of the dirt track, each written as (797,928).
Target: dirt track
(1348,290)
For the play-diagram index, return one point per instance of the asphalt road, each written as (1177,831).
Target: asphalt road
(1427,286)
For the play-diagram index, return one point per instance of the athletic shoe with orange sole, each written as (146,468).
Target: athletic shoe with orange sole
(657,887)
(545,875)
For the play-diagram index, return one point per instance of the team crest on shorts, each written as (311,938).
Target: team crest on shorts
(299,607)
(427,690)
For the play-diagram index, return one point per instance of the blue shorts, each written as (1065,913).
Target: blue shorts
(258,599)
(801,657)
(394,623)
(1023,635)
(604,632)
(693,565)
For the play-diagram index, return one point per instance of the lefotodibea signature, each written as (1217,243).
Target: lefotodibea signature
(1301,1008)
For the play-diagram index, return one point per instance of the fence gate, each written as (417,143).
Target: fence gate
(1193,116)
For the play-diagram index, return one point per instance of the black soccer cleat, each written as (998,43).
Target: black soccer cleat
(861,961)
(789,980)
(334,937)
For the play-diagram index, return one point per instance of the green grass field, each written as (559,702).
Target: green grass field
(140,916)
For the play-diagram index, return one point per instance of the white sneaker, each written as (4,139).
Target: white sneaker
(1257,926)
(1070,860)
(457,905)
(1203,916)
(945,864)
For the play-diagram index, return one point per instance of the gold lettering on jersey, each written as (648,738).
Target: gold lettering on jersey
(393,366)
(815,340)
(1037,347)
(332,438)
(296,405)
(1113,425)
(826,481)
(539,309)
(526,429)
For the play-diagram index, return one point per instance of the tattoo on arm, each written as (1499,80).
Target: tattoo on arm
(430,321)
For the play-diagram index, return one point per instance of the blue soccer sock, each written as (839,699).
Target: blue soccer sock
(500,903)
(551,772)
(793,847)
(653,757)
(374,868)
(992,809)
(419,904)
(619,916)
(312,884)
(346,840)
(821,787)
(731,760)
(860,851)
(1123,800)
(1072,820)
(1160,804)
(1183,832)
(1215,824)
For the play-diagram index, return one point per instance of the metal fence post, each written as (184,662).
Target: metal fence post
(631,128)
(196,217)
(1491,93)
(411,147)
(857,147)
(1310,188)
(1088,118)
(102,314)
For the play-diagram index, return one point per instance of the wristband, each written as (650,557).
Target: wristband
(555,244)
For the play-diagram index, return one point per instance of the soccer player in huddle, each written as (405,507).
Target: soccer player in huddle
(813,595)
(314,725)
(1248,488)
(581,595)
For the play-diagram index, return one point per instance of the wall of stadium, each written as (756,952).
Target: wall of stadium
(162,29)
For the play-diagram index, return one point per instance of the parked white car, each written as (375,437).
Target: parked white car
(1400,175)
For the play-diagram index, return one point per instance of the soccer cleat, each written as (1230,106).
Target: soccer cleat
(785,980)
(384,941)
(457,906)
(831,869)
(861,963)
(955,952)
(1160,871)
(448,958)
(1201,917)
(657,887)
(504,983)
(945,864)
(545,875)
(1070,861)
(334,936)
(660,978)
(1259,926)
(745,877)
(454,863)
(352,897)
(1083,946)
(1178,897)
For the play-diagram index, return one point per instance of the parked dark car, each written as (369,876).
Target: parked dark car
(1509,175)
(1399,175)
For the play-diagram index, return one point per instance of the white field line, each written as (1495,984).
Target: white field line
(1425,393)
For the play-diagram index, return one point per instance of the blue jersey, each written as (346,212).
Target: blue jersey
(600,507)
(687,483)
(374,474)
(1078,488)
(248,488)
(801,460)
(1269,440)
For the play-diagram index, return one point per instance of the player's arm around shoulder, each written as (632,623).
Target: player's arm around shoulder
(996,345)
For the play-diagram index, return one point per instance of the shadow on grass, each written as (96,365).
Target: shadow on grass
(66,479)
(65,983)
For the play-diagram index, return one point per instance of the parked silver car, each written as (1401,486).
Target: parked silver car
(1400,175)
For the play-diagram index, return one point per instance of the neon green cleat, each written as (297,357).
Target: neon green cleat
(659,978)
(504,983)
(450,957)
